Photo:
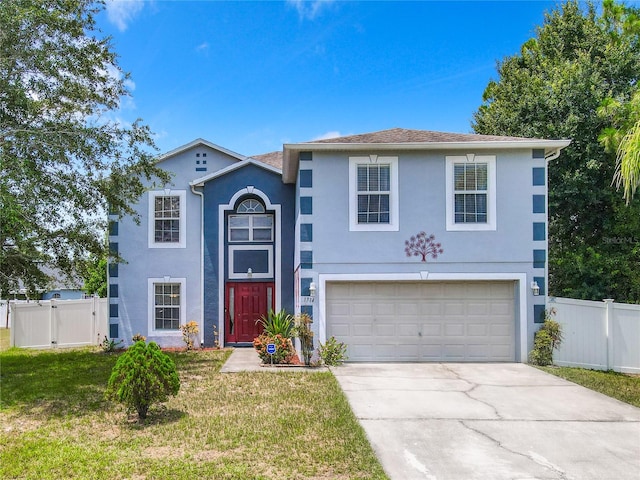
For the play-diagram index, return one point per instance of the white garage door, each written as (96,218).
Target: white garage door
(427,321)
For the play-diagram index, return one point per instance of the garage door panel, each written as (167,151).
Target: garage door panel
(478,330)
(431,329)
(478,351)
(428,308)
(501,308)
(457,308)
(478,308)
(384,309)
(363,309)
(341,330)
(408,308)
(454,330)
(384,329)
(362,330)
(408,329)
(439,321)
(500,330)
(453,352)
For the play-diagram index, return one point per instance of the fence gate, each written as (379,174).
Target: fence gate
(58,323)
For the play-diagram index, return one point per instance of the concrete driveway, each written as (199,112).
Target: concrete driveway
(490,421)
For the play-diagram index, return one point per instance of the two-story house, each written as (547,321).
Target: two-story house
(323,227)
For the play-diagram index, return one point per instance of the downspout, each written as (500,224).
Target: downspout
(201,195)
(553,155)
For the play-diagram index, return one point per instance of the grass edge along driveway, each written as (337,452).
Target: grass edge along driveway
(251,425)
(621,386)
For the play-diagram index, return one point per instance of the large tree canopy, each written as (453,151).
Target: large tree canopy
(553,89)
(65,156)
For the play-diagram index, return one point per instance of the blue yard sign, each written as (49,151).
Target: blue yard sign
(271,348)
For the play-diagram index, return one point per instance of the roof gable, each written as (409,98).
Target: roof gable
(196,143)
(198,182)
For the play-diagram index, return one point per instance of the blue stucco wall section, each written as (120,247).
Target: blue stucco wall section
(142,263)
(219,191)
(517,247)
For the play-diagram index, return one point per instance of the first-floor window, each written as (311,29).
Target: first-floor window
(167,298)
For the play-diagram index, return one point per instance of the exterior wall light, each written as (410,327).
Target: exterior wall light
(312,289)
(249,273)
(535,288)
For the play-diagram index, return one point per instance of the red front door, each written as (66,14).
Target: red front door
(245,303)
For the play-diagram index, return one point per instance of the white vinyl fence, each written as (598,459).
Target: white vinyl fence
(598,335)
(59,323)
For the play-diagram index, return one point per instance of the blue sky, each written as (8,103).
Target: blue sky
(250,76)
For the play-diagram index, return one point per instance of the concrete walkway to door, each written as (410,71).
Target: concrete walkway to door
(490,421)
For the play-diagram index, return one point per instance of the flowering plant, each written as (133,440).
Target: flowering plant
(284,348)
(190,333)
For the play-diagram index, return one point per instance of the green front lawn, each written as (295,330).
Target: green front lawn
(259,425)
(625,388)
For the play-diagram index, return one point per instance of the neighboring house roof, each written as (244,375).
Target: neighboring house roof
(56,281)
(405,139)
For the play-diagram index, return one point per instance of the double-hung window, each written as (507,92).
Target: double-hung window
(167,219)
(373,191)
(166,305)
(471,202)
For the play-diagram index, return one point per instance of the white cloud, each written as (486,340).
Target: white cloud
(328,135)
(122,12)
(203,47)
(309,9)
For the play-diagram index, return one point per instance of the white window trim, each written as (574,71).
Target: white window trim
(151,305)
(490,160)
(243,275)
(394,223)
(182,194)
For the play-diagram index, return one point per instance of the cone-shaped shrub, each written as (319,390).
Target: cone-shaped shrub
(143,375)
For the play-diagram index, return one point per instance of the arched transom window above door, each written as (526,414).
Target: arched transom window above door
(251,205)
(251,223)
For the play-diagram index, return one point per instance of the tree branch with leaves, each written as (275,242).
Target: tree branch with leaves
(66,158)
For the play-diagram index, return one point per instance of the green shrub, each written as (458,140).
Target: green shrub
(547,339)
(302,330)
(109,345)
(142,376)
(284,349)
(280,323)
(333,353)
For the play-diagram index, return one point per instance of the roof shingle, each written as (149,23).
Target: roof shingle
(403,135)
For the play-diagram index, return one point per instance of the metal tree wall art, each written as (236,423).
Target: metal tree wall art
(423,245)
